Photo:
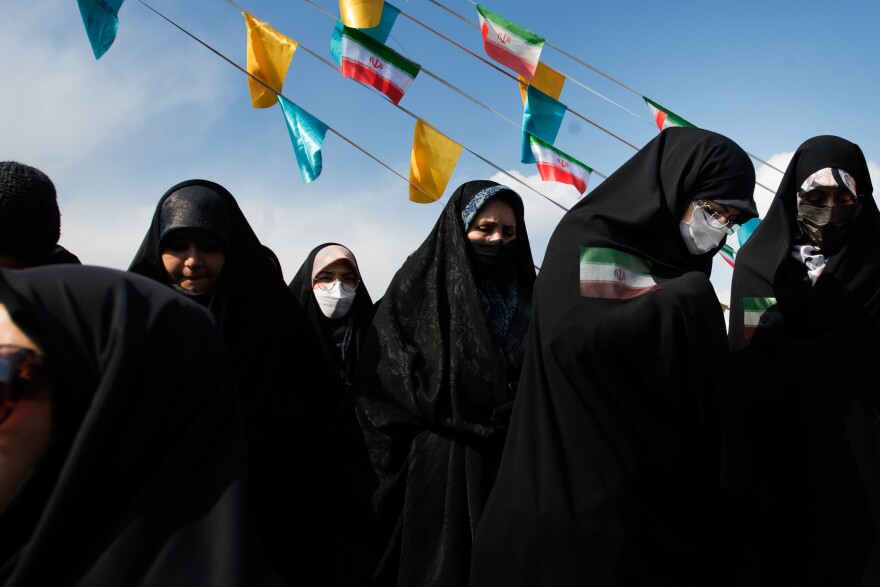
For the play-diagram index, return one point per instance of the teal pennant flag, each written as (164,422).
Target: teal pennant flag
(379,32)
(307,135)
(746,230)
(542,117)
(102,21)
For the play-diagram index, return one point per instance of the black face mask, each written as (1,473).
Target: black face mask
(494,253)
(827,227)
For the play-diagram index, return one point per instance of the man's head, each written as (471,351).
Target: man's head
(30,222)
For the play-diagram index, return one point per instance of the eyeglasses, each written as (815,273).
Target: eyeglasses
(716,218)
(325,281)
(17,368)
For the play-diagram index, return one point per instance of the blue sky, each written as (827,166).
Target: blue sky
(159,108)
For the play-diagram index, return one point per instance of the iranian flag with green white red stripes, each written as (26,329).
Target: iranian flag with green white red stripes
(728,254)
(554,165)
(612,274)
(510,44)
(760,316)
(368,61)
(665,118)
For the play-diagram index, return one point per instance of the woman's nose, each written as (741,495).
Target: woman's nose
(193,257)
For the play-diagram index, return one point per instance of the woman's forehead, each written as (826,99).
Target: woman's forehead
(343,265)
(497,209)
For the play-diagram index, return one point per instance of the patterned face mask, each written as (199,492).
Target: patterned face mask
(827,226)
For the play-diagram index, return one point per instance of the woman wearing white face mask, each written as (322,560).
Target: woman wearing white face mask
(338,306)
(613,470)
(335,288)
(706,223)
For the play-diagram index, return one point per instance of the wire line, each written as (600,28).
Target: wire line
(343,137)
(600,72)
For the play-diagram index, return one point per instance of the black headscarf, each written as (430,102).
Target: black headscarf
(144,481)
(610,472)
(806,367)
(275,356)
(436,391)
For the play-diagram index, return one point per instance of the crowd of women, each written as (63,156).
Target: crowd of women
(197,420)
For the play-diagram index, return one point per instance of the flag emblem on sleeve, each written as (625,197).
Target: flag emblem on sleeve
(761,316)
(612,274)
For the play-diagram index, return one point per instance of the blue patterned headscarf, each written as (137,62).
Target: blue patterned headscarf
(469,212)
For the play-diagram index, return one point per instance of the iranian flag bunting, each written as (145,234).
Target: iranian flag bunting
(663,117)
(727,254)
(554,165)
(760,315)
(368,61)
(510,44)
(612,274)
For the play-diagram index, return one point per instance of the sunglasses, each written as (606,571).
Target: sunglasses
(18,366)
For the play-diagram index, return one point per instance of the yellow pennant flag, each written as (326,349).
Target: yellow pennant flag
(434,156)
(361,14)
(546,79)
(268,56)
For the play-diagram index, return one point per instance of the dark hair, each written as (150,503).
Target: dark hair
(30,222)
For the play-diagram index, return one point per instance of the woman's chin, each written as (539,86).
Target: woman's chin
(195,285)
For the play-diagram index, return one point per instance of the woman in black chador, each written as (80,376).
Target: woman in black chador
(330,288)
(612,470)
(805,331)
(332,293)
(122,447)
(438,378)
(200,243)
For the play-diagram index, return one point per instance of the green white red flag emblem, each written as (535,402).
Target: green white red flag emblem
(554,165)
(510,44)
(612,274)
(761,316)
(368,61)
(665,118)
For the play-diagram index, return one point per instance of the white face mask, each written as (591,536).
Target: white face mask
(335,302)
(698,235)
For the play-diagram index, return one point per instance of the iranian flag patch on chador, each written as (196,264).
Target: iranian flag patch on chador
(761,316)
(612,274)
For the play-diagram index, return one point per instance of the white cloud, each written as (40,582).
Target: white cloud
(771,178)
(70,111)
